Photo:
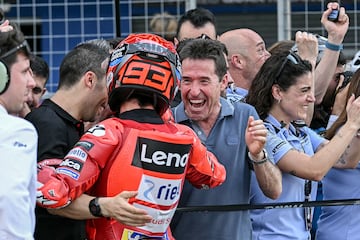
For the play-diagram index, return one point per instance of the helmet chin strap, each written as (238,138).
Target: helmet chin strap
(129,95)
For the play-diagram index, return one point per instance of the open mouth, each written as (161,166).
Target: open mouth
(197,103)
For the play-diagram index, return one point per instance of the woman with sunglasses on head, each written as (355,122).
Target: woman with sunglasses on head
(281,93)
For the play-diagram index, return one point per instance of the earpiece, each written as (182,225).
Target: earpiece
(4,77)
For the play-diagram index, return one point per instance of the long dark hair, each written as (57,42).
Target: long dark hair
(282,69)
(354,88)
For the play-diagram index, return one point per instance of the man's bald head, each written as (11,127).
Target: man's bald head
(239,40)
(247,53)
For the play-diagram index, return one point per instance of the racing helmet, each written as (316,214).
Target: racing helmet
(355,62)
(143,64)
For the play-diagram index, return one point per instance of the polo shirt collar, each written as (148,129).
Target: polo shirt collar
(64,115)
(276,124)
(227,109)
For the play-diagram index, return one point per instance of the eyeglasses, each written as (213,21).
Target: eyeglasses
(24,45)
(204,36)
(292,57)
(37,90)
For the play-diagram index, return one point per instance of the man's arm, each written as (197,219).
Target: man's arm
(327,65)
(267,174)
(117,207)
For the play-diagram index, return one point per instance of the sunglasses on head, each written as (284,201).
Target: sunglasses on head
(293,58)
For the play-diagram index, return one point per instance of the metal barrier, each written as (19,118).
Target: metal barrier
(243,207)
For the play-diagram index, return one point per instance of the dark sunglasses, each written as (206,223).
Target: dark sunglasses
(24,45)
(37,90)
(204,36)
(293,58)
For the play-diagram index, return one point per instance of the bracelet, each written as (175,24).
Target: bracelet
(334,47)
(258,162)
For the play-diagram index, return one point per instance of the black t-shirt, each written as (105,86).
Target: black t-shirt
(58,132)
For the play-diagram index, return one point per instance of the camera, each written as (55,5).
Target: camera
(347,78)
(334,15)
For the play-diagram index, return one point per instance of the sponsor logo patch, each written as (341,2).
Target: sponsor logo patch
(160,219)
(277,147)
(68,172)
(159,191)
(161,156)
(85,144)
(72,163)
(77,153)
(97,130)
(132,235)
(109,78)
(118,53)
(19,144)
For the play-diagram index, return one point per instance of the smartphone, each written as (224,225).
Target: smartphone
(334,15)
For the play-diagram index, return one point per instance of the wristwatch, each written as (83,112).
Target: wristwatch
(258,162)
(94,207)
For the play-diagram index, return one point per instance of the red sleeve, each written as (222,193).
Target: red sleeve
(80,168)
(204,169)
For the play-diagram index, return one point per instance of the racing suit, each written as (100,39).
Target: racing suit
(148,156)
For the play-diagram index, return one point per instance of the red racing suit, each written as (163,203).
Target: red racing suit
(124,155)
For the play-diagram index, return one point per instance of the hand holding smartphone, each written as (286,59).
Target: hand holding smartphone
(334,15)
(335,12)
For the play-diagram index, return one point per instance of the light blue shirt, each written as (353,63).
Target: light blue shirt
(340,222)
(236,92)
(18,148)
(287,223)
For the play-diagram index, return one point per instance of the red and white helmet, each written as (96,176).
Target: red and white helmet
(147,64)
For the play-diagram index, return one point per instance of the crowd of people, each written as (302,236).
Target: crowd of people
(143,125)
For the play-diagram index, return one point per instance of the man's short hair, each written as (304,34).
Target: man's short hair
(84,57)
(12,42)
(39,67)
(198,17)
(206,49)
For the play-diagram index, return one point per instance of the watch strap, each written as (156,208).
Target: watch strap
(94,207)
